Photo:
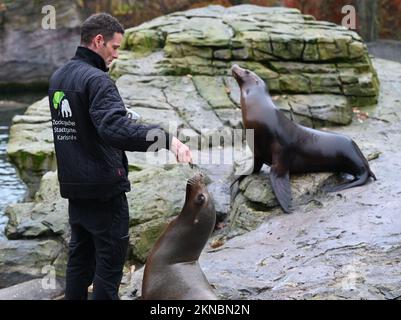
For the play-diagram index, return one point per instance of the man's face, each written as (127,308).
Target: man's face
(107,50)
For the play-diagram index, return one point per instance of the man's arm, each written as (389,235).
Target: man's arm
(108,115)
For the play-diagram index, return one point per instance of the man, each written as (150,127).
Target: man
(91,131)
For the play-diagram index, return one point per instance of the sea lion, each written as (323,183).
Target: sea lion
(289,147)
(172,269)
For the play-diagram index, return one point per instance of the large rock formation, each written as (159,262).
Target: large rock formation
(29,53)
(30,147)
(293,52)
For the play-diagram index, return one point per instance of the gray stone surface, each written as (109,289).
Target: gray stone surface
(30,145)
(23,260)
(37,289)
(28,52)
(286,48)
(46,216)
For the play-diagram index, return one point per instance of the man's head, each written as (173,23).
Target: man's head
(103,34)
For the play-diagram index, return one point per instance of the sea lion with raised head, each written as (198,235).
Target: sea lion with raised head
(172,269)
(288,147)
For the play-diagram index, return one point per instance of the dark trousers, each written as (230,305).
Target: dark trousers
(98,247)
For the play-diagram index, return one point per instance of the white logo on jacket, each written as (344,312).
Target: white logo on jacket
(65,109)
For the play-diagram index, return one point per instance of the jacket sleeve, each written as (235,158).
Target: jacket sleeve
(108,115)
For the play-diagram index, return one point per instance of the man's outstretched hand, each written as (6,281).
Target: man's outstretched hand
(181,151)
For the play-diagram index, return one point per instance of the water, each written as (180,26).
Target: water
(386,49)
(12,189)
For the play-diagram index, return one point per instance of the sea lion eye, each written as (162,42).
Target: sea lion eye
(200,199)
(247,71)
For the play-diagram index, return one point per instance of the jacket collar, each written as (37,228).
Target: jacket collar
(90,57)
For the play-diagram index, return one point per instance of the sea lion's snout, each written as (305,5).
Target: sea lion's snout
(197,192)
(235,67)
(197,179)
(240,74)
(236,71)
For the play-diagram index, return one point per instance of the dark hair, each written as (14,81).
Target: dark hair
(100,23)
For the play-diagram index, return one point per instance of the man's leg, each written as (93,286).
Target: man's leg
(109,229)
(81,256)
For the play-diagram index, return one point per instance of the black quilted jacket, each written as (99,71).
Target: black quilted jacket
(91,130)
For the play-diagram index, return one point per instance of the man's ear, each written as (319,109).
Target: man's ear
(97,41)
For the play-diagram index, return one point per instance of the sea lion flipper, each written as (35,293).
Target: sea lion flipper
(282,188)
(358,181)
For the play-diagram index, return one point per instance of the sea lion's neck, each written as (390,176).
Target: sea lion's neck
(181,242)
(252,92)
(256,105)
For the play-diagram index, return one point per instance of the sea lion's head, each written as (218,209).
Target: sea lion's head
(246,78)
(198,200)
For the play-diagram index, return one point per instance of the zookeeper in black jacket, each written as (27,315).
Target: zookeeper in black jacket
(91,131)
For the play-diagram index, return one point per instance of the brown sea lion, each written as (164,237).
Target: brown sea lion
(172,269)
(289,147)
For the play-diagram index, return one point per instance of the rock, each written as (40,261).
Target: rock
(46,217)
(257,188)
(315,110)
(254,204)
(214,91)
(131,283)
(138,161)
(37,289)
(29,54)
(246,216)
(144,236)
(144,41)
(270,43)
(179,103)
(202,32)
(23,260)
(30,146)
(230,117)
